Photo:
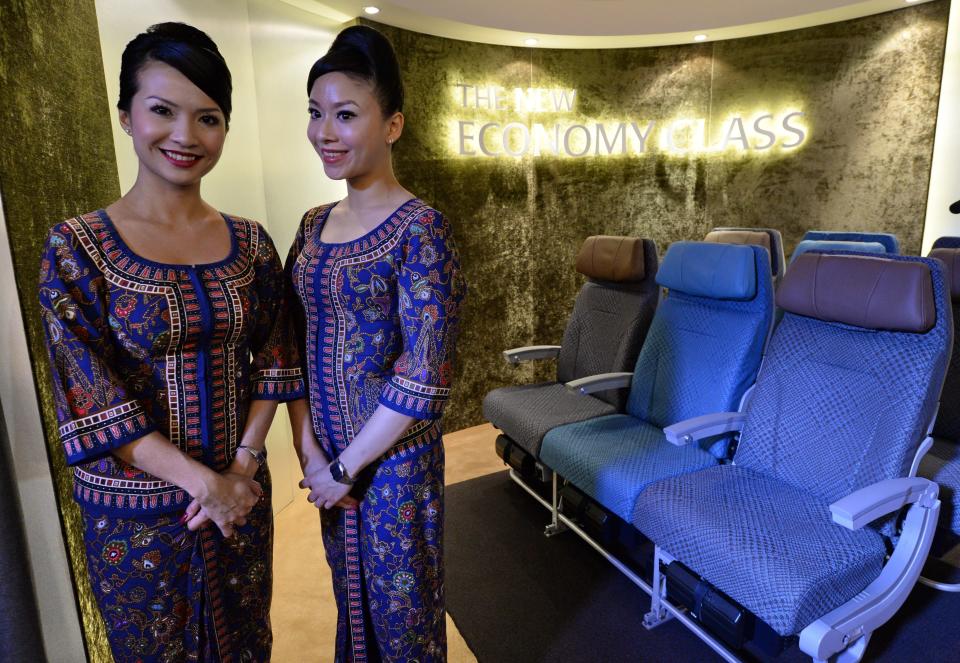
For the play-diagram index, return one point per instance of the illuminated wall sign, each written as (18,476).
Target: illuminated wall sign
(507,128)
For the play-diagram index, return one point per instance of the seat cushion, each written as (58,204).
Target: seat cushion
(612,458)
(942,465)
(526,412)
(771,547)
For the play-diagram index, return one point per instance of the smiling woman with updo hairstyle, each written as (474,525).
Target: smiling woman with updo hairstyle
(168,353)
(379,281)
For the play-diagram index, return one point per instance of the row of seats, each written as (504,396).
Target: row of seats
(766,450)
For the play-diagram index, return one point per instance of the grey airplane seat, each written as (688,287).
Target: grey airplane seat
(604,334)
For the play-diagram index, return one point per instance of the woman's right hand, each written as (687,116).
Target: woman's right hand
(226,500)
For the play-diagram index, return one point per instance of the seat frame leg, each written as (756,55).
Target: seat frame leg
(556,526)
(658,613)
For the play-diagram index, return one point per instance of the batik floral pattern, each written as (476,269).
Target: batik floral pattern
(378,323)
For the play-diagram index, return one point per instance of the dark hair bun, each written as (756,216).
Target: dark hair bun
(363,52)
(185,48)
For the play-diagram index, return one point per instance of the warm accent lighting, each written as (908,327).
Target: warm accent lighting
(372,10)
(530,41)
(700,37)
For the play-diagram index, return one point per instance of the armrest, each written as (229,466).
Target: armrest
(882,498)
(690,430)
(601,382)
(531,352)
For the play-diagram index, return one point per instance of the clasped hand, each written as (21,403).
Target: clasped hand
(325,493)
(228,500)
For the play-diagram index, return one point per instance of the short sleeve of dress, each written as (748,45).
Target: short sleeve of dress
(430,292)
(277,374)
(95,411)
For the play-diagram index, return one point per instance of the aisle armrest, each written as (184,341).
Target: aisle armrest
(531,353)
(691,430)
(601,382)
(882,498)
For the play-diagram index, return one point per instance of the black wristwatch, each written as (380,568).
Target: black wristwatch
(340,474)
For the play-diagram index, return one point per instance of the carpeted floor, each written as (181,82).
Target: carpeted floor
(517,596)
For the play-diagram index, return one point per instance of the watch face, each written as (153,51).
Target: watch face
(337,471)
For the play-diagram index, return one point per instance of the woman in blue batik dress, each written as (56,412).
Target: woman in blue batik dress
(379,281)
(168,361)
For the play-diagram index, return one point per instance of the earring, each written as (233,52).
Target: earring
(127,129)
(389,141)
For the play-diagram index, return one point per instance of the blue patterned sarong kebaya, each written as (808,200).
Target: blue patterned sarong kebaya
(378,327)
(138,346)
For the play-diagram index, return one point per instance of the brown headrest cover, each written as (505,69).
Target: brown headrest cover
(752,237)
(950,258)
(875,293)
(617,259)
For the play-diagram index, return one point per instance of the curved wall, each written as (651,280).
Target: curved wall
(868,91)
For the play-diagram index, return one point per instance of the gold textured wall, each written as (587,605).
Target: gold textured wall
(56,160)
(868,89)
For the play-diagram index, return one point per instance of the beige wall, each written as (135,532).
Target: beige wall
(268,170)
(286,42)
(945,169)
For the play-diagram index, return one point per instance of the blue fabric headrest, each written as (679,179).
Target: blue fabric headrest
(888,240)
(821,245)
(717,271)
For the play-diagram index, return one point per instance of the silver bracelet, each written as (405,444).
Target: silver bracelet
(259,456)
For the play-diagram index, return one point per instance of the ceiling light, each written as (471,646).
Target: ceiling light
(372,10)
(700,37)
(530,41)
(912,1)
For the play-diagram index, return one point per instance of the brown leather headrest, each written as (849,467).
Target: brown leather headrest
(616,259)
(864,291)
(752,237)
(950,258)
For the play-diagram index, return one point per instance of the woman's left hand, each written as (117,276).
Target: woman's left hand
(244,465)
(324,491)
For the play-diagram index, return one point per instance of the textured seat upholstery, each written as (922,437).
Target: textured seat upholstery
(609,322)
(777,552)
(942,462)
(836,408)
(768,238)
(828,240)
(701,355)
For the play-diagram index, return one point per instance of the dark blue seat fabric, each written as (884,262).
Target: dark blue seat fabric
(836,408)
(700,355)
(822,245)
(942,465)
(942,462)
(888,240)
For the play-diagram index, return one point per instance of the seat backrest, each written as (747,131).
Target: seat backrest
(947,250)
(707,338)
(888,241)
(768,238)
(823,245)
(852,373)
(612,311)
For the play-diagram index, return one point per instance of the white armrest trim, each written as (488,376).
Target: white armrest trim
(601,382)
(882,498)
(530,353)
(688,431)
